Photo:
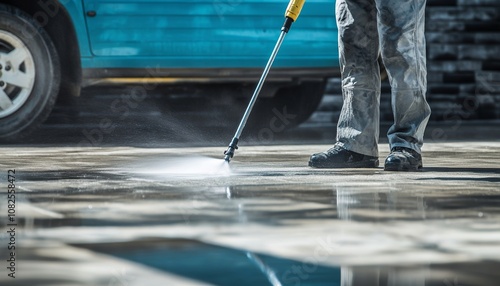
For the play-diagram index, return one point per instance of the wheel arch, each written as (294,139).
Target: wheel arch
(56,24)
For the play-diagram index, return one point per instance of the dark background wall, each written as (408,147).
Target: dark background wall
(463,51)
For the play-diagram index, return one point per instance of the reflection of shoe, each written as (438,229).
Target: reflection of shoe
(338,157)
(403,159)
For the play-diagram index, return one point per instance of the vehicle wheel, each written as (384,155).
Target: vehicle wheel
(29,74)
(289,107)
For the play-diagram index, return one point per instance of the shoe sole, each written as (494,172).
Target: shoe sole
(399,168)
(364,164)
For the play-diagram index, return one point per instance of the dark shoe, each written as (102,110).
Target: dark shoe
(403,159)
(338,157)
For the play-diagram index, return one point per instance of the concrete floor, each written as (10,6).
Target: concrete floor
(178,216)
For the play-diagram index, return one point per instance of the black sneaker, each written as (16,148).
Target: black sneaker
(338,157)
(403,159)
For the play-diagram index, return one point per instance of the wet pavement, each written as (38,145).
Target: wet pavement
(125,215)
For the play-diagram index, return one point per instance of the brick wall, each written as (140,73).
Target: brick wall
(463,51)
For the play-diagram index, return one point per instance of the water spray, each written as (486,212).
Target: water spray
(291,15)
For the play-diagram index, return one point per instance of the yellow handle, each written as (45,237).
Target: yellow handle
(294,8)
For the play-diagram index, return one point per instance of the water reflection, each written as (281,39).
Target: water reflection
(220,265)
(217,265)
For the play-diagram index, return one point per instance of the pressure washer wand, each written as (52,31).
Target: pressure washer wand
(291,15)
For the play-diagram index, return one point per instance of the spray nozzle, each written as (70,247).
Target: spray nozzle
(233,146)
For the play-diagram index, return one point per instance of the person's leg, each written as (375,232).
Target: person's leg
(401,29)
(358,125)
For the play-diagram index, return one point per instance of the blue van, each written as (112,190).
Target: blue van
(51,48)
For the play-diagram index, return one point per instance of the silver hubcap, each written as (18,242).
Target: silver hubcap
(17,73)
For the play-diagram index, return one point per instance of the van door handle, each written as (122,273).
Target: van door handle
(91,13)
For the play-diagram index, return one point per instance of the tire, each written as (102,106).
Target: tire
(30,74)
(291,106)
